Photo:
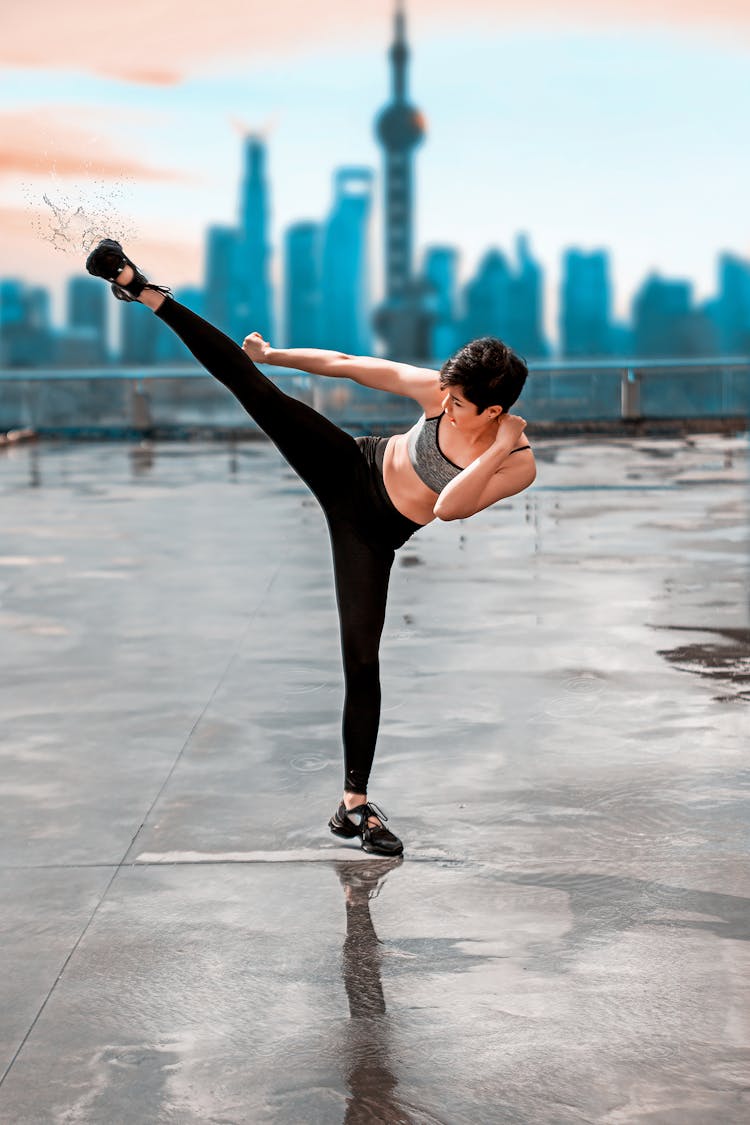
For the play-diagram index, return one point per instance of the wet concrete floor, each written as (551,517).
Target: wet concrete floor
(563,749)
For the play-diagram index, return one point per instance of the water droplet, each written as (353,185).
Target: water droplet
(310,763)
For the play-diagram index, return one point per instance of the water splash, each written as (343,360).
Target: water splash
(73,218)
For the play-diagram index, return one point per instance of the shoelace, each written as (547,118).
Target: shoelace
(366,811)
(375,811)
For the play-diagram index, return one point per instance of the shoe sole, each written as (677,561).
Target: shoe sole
(342,830)
(110,245)
(366,847)
(376,851)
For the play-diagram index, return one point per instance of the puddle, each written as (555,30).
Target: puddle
(726,661)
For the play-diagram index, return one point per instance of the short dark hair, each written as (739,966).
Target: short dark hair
(488,372)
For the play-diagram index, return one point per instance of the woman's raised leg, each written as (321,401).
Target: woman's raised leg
(323,455)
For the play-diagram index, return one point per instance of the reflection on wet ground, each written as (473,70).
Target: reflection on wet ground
(563,750)
(722,661)
(369,1071)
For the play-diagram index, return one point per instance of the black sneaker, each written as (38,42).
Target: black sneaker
(108,259)
(375,838)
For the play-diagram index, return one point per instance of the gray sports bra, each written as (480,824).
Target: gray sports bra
(430,463)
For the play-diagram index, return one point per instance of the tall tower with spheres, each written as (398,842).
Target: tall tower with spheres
(401,321)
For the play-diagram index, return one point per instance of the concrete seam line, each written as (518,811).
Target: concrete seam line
(205,708)
(121,863)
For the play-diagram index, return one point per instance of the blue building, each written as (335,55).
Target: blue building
(622,339)
(302,294)
(345,304)
(252,299)
(139,334)
(586,304)
(87,301)
(221,242)
(26,337)
(401,321)
(525,333)
(731,310)
(440,275)
(487,299)
(506,303)
(667,324)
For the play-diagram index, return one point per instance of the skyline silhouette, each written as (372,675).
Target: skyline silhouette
(326,286)
(250,277)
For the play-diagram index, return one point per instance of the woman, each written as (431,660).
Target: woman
(375,492)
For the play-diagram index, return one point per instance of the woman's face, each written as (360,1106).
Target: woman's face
(458,408)
(464,415)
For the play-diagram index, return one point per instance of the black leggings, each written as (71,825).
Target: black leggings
(345,474)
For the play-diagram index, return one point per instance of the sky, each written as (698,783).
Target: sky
(618,124)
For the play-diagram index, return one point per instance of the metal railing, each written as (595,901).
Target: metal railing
(633,372)
(184,396)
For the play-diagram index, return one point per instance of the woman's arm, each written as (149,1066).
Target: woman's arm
(492,476)
(419,383)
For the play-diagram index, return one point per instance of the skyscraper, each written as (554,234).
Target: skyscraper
(26,337)
(665,322)
(87,316)
(302,268)
(487,299)
(732,307)
(440,273)
(344,282)
(585,304)
(401,320)
(250,285)
(139,335)
(525,333)
(221,249)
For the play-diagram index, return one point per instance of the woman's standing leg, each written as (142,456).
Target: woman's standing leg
(362,568)
(319,451)
(362,571)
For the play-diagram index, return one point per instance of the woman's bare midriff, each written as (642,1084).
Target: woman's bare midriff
(409,494)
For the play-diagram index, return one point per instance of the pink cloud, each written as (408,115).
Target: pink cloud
(156,43)
(36,144)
